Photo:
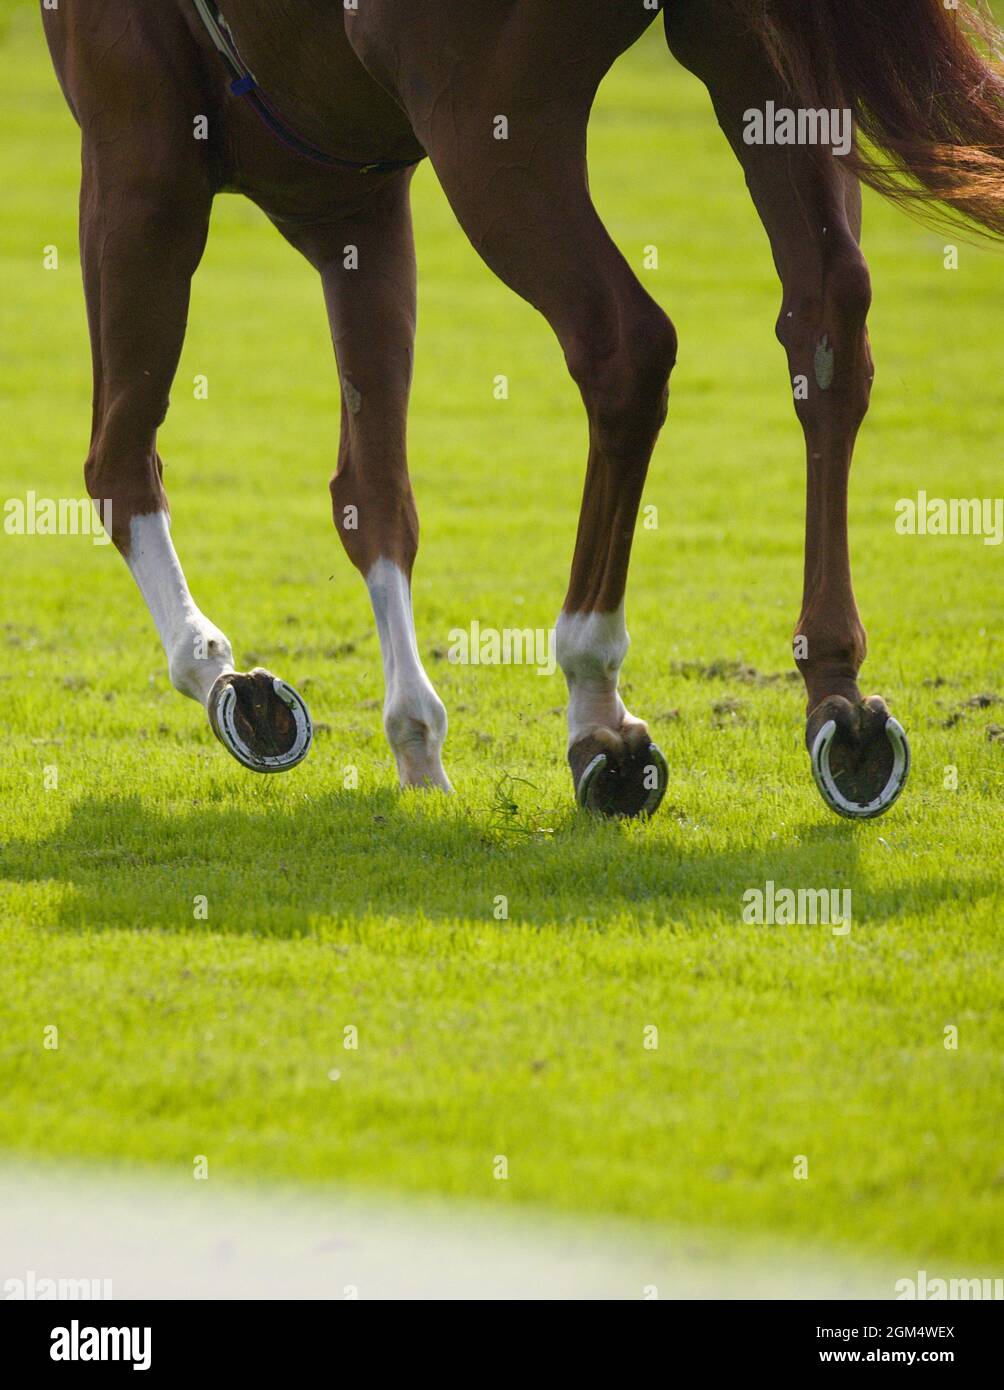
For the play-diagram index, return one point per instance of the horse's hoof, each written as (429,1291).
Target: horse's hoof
(260,719)
(617,776)
(860,756)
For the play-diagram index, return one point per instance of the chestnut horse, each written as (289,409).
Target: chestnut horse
(318,110)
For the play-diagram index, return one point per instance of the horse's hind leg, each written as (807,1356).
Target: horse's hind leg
(143,229)
(811,209)
(370,297)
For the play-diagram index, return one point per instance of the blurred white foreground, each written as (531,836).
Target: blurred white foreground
(157,1238)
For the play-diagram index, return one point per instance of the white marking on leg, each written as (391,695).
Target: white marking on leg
(414,717)
(197,651)
(591,648)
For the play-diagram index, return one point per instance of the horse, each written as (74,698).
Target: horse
(319,112)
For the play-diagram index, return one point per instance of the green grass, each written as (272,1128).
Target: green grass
(330,907)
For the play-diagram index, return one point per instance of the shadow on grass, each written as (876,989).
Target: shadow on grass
(277,868)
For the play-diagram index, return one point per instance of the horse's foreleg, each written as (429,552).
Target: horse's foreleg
(811,209)
(620,348)
(525,205)
(141,239)
(367,267)
(620,354)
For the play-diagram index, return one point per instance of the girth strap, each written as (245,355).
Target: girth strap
(244,84)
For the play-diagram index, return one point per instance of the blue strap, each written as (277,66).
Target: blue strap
(244,85)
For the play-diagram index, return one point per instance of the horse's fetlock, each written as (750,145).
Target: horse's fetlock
(197,656)
(409,727)
(591,647)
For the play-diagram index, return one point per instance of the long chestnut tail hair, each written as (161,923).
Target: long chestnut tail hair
(925,85)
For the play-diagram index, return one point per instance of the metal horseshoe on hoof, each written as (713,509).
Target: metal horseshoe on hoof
(222,705)
(594,769)
(832,794)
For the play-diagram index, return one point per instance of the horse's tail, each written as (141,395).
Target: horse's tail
(924,83)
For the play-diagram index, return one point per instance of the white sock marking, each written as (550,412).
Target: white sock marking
(197,651)
(414,716)
(591,649)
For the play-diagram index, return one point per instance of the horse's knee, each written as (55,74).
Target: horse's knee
(622,363)
(822,328)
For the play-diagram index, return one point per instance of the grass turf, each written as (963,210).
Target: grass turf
(329,908)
